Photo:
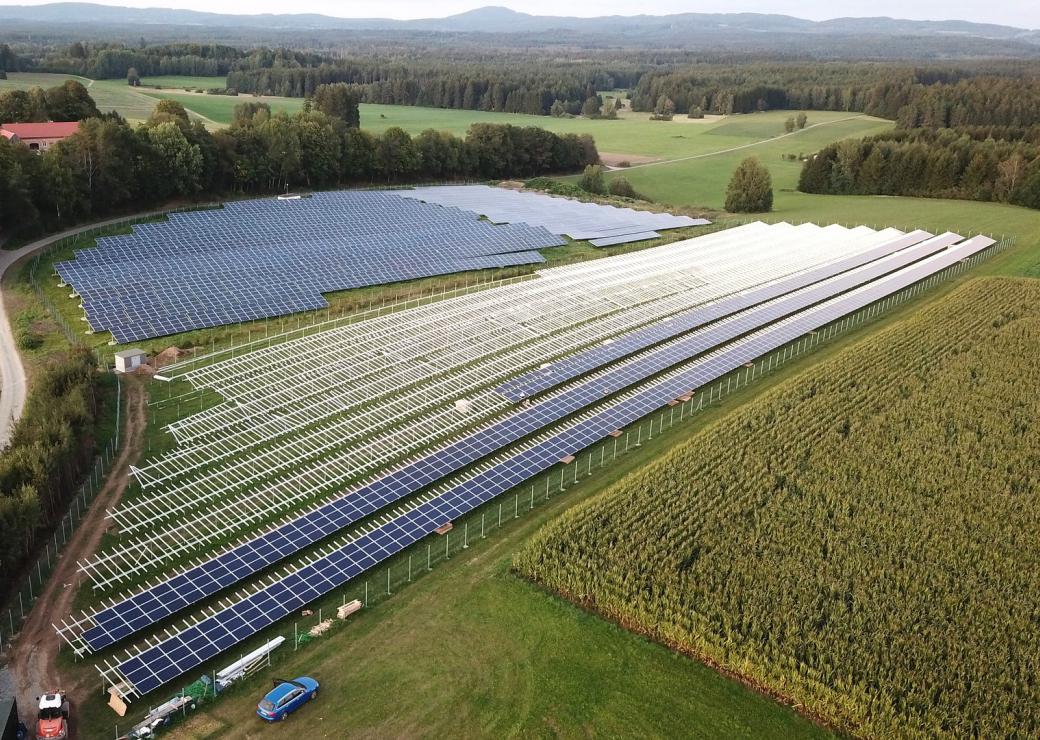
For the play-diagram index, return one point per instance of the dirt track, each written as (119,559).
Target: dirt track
(33,658)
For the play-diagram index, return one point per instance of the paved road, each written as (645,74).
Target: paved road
(12,373)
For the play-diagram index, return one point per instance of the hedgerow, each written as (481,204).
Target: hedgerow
(863,540)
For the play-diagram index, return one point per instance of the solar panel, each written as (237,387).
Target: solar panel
(153,666)
(203,580)
(264,258)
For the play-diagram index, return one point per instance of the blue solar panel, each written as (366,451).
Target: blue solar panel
(181,652)
(264,258)
(254,555)
(610,241)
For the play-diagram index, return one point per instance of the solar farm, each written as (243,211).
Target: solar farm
(263,258)
(331,453)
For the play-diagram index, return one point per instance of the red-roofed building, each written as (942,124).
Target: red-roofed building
(38,136)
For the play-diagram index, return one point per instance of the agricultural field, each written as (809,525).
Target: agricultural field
(871,557)
(570,683)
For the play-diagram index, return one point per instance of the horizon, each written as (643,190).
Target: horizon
(1000,13)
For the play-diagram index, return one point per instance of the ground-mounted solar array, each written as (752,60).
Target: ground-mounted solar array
(263,258)
(603,226)
(438,409)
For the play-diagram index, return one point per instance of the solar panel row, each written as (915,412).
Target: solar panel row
(567,368)
(151,667)
(605,224)
(168,597)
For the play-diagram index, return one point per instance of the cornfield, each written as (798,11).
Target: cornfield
(862,540)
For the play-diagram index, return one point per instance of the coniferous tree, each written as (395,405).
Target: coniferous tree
(750,189)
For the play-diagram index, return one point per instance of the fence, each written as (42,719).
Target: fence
(27,594)
(419,560)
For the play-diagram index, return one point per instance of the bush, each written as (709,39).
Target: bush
(623,188)
(26,335)
(593,181)
(555,187)
(750,189)
(29,340)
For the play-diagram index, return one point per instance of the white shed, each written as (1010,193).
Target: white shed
(129,360)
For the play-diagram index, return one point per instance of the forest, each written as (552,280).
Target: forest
(109,167)
(871,557)
(975,163)
(995,93)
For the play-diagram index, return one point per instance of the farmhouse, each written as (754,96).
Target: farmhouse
(39,136)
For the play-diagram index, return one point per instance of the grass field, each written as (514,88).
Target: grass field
(183,81)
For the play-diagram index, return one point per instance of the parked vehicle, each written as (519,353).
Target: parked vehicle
(52,719)
(286,697)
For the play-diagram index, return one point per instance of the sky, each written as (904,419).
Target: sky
(1021,13)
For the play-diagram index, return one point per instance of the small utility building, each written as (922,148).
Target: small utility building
(129,360)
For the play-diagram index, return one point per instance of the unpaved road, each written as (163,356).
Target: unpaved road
(33,660)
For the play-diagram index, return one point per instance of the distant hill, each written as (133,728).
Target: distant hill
(499,28)
(500,20)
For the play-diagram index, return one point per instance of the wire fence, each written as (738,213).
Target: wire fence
(507,509)
(32,583)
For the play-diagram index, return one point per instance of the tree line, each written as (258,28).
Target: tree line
(500,86)
(105,60)
(1000,94)
(965,163)
(52,448)
(110,167)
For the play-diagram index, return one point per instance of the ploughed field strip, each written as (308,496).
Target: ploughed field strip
(258,259)
(603,227)
(468,397)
